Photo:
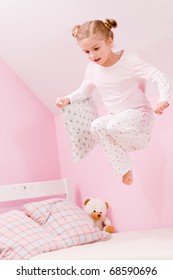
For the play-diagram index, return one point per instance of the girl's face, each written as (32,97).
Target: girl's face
(97,49)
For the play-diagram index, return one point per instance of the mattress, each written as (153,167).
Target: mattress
(154,244)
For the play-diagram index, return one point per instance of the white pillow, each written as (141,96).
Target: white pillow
(78,117)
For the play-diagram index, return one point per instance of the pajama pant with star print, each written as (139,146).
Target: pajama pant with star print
(121,133)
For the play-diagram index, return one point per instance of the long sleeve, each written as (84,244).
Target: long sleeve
(163,84)
(84,91)
(149,72)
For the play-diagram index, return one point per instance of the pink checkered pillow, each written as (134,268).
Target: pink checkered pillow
(40,211)
(22,238)
(65,219)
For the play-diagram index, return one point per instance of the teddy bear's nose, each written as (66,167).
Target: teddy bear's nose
(99,215)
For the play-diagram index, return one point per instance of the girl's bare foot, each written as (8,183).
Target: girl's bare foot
(128,178)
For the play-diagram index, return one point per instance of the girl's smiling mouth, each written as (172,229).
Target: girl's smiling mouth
(96,60)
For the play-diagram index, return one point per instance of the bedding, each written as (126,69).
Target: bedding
(154,244)
(63,218)
(51,229)
(22,238)
(45,226)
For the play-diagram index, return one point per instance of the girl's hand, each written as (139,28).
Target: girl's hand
(62,102)
(161,107)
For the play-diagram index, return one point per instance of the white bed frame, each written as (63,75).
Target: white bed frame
(36,190)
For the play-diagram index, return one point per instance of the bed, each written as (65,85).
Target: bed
(54,228)
(156,244)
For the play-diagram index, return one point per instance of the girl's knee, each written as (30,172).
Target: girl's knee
(113,129)
(97,126)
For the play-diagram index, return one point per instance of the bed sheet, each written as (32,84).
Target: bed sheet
(147,244)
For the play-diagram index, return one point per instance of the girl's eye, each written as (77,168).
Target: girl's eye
(86,51)
(96,49)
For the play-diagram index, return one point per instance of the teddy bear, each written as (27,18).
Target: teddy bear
(97,209)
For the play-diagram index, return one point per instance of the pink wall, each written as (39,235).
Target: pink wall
(146,204)
(28,148)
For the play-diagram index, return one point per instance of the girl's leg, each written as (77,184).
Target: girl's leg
(116,155)
(128,178)
(122,133)
(131,129)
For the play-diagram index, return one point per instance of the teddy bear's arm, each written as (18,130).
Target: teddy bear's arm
(106,222)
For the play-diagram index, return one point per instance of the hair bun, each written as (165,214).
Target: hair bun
(75,30)
(110,23)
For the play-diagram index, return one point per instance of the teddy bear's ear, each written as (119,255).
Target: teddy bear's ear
(107,205)
(86,201)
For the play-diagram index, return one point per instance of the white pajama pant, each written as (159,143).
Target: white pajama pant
(121,133)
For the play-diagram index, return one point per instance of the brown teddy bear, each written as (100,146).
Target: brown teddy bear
(97,210)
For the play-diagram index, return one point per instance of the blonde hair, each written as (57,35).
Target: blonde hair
(94,27)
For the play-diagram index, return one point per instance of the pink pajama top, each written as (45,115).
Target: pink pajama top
(122,86)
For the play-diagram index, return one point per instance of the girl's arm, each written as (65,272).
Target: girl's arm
(149,72)
(161,106)
(164,87)
(62,102)
(82,93)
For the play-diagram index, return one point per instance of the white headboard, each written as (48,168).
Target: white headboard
(37,189)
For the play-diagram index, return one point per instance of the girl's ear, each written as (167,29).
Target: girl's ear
(110,42)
